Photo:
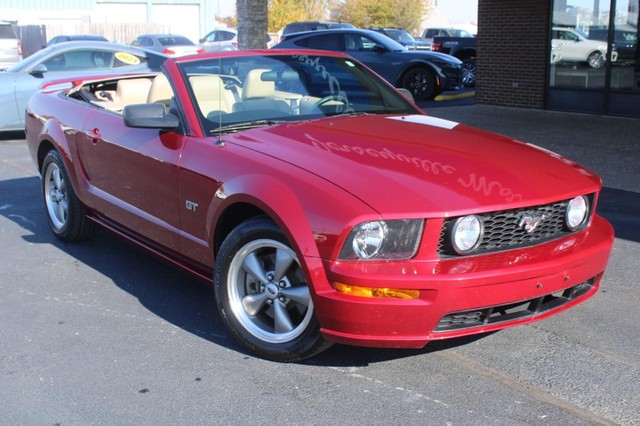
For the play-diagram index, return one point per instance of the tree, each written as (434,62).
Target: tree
(405,14)
(281,12)
(252,24)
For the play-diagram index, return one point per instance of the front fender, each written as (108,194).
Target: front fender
(273,197)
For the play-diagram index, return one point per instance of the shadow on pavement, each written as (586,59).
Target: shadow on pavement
(165,291)
(622,209)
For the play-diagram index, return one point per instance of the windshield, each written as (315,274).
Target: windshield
(275,88)
(400,35)
(175,41)
(460,33)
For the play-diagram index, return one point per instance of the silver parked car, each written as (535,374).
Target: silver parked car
(169,44)
(221,40)
(65,60)
(10,46)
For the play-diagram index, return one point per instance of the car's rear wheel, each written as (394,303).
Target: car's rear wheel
(65,213)
(421,83)
(263,296)
(596,60)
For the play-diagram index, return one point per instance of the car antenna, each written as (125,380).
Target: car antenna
(219,141)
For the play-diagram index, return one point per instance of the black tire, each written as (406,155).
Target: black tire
(469,72)
(268,310)
(421,82)
(596,60)
(65,213)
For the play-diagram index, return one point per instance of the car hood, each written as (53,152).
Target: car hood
(432,56)
(416,163)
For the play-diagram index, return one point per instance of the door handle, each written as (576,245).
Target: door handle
(94,135)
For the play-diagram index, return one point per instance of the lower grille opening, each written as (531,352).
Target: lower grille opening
(509,312)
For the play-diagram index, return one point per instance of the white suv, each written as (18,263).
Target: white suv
(10,46)
(574,47)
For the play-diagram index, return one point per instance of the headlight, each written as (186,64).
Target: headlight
(466,234)
(383,240)
(577,212)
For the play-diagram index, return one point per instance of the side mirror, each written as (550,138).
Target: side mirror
(149,116)
(39,70)
(379,49)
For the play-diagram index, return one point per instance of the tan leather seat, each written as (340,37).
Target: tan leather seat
(160,90)
(211,94)
(132,91)
(258,94)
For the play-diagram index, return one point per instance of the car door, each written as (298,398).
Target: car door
(569,45)
(372,54)
(133,173)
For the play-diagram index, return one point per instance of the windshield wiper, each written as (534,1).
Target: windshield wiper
(245,125)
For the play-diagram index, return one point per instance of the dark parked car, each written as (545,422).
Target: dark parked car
(75,37)
(403,37)
(463,48)
(424,74)
(320,204)
(298,27)
(61,60)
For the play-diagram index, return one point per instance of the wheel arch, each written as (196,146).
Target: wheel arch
(52,137)
(465,54)
(417,64)
(262,195)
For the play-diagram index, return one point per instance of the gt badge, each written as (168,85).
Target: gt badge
(191,205)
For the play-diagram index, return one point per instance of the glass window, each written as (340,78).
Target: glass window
(356,42)
(578,51)
(325,42)
(625,72)
(78,60)
(239,91)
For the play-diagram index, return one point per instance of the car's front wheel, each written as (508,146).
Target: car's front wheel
(596,60)
(421,83)
(65,213)
(263,296)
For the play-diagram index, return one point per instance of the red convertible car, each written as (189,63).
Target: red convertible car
(319,201)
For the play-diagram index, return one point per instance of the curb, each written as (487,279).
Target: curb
(464,95)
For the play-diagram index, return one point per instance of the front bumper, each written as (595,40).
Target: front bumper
(460,296)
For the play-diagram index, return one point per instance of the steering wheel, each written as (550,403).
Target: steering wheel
(336,98)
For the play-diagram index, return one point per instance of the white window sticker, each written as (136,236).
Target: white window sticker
(425,119)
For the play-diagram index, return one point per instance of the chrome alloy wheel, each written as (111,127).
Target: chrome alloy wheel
(55,195)
(268,293)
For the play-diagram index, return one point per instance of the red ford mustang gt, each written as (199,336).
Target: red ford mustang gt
(320,202)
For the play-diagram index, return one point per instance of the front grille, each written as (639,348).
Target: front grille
(502,313)
(502,230)
(453,76)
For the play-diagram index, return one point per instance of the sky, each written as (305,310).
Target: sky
(459,11)
(224,8)
(456,11)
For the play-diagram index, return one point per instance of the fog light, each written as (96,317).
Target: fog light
(390,293)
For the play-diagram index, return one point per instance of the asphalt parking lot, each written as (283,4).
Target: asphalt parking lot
(101,333)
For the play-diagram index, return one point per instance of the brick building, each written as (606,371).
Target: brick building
(525,58)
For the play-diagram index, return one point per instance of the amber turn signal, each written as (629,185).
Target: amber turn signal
(391,293)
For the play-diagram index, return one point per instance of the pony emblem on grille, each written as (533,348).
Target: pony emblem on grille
(529,222)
